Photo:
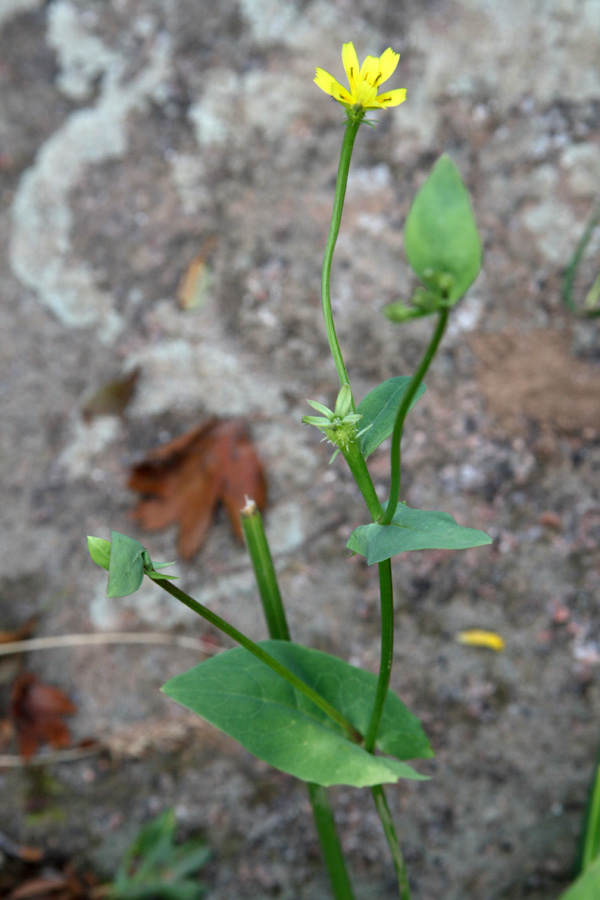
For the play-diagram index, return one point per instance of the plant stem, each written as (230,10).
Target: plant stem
(330,844)
(261,654)
(360,473)
(270,595)
(395,456)
(352,127)
(358,467)
(386,652)
(383,811)
(264,572)
(383,683)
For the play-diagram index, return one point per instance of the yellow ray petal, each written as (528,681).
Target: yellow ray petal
(393,98)
(476,637)
(350,61)
(328,83)
(369,71)
(388,62)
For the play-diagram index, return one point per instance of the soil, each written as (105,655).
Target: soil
(137,136)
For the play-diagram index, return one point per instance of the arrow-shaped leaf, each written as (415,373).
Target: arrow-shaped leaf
(413,529)
(248,701)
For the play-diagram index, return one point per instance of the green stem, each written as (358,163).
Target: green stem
(395,457)
(352,127)
(357,465)
(264,657)
(264,572)
(270,595)
(386,652)
(360,472)
(330,844)
(383,811)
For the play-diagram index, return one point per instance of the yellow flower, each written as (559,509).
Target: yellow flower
(364,81)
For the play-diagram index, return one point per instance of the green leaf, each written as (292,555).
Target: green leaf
(160,576)
(155,867)
(126,561)
(440,238)
(126,570)
(379,408)
(590,841)
(413,529)
(99,550)
(587,886)
(248,701)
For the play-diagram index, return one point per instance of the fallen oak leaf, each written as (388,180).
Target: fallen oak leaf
(36,710)
(111,399)
(185,480)
(55,884)
(42,888)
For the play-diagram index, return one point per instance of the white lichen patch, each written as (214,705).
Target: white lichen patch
(208,377)
(582,164)
(42,221)
(9,9)
(86,443)
(81,56)
(288,527)
(556,57)
(265,100)
(270,20)
(553,226)
(212,115)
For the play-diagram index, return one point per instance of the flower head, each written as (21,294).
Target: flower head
(364,81)
(338,425)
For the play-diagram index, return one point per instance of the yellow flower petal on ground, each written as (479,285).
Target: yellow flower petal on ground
(476,637)
(363,82)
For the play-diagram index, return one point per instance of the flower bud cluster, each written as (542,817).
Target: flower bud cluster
(338,425)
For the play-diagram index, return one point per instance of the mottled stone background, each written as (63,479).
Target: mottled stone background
(135,134)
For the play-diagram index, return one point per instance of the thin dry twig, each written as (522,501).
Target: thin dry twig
(109,637)
(10,761)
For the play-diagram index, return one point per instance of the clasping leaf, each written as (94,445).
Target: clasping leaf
(237,693)
(413,529)
(127,561)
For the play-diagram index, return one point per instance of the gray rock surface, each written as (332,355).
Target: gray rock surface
(136,134)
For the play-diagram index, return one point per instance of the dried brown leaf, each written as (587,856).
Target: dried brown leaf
(186,479)
(111,399)
(65,885)
(36,709)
